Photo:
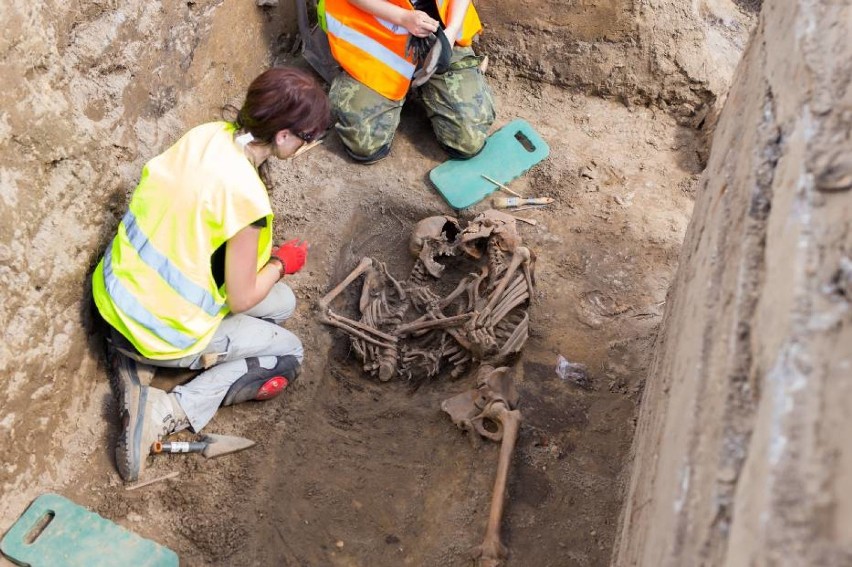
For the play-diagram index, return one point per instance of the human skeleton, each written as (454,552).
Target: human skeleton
(408,329)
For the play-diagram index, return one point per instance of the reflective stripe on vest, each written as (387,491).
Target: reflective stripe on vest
(370,45)
(158,262)
(155,284)
(372,50)
(125,301)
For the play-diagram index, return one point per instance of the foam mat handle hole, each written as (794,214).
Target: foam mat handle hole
(524,141)
(39,527)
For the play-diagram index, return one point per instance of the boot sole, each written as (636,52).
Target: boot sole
(132,397)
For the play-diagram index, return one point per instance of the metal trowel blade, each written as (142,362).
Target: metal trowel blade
(218,445)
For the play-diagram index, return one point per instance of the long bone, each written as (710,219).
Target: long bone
(519,256)
(494,400)
(516,288)
(517,339)
(351,326)
(510,300)
(365,265)
(432,324)
(491,551)
(437,311)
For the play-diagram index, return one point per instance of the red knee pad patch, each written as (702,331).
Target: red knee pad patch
(272,388)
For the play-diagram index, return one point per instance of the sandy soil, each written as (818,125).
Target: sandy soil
(351,472)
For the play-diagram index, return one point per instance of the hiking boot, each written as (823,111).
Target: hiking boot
(148,414)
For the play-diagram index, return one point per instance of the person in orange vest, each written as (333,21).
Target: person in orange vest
(375,42)
(192,280)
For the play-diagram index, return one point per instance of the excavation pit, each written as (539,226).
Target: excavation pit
(347,470)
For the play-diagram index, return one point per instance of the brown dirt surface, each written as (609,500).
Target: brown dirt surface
(349,471)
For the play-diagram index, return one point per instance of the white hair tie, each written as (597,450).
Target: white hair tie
(244,139)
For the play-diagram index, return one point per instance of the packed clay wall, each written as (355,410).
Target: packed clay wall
(742,453)
(91,90)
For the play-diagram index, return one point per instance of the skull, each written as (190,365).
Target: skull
(500,227)
(433,237)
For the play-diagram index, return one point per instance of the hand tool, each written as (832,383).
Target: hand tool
(209,445)
(504,202)
(501,186)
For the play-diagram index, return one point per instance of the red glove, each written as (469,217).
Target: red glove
(292,255)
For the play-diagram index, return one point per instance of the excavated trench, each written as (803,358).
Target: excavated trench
(349,471)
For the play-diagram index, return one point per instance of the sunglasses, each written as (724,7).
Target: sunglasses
(309,137)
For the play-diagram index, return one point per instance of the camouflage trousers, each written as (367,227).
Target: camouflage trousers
(459,105)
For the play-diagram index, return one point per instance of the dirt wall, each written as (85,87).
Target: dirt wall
(91,90)
(675,55)
(741,451)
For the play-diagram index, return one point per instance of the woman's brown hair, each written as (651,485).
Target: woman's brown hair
(284,98)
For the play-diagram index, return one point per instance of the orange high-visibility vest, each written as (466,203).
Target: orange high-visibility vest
(372,50)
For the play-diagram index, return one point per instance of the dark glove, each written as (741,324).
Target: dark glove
(436,60)
(292,255)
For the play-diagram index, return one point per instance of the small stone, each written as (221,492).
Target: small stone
(727,475)
(836,176)
(339,544)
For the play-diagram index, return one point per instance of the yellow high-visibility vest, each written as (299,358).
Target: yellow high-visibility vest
(372,50)
(155,283)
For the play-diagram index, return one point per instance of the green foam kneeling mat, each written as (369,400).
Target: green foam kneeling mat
(55,532)
(508,153)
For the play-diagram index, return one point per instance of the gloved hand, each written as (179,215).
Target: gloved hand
(435,61)
(292,254)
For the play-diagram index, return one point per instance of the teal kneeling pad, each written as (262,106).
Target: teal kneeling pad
(56,532)
(508,153)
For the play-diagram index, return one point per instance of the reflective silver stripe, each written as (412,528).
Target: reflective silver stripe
(125,301)
(186,288)
(371,46)
(393,28)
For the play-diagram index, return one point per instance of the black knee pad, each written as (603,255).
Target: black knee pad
(247,386)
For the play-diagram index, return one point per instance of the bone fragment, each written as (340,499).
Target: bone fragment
(532,222)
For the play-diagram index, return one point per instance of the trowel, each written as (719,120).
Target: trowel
(209,445)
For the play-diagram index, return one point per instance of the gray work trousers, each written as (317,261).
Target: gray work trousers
(255,332)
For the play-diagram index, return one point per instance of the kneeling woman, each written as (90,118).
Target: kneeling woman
(191,280)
